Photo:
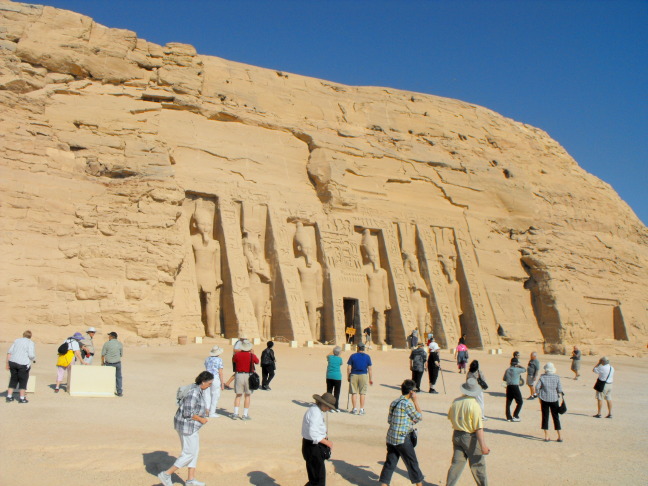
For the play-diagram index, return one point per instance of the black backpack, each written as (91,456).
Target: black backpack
(64,348)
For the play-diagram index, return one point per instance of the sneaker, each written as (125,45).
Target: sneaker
(23,400)
(338,410)
(194,482)
(213,415)
(119,394)
(165,478)
(9,399)
(354,411)
(236,417)
(246,417)
(56,390)
(362,411)
(516,419)
(434,392)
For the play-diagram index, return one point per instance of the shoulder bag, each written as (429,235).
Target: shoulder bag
(600,384)
(254,382)
(413,434)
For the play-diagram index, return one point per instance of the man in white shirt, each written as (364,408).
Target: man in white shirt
(314,439)
(605,373)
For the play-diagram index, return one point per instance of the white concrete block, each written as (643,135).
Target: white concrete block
(199,339)
(499,351)
(92,381)
(233,341)
(31,383)
(256,341)
(347,347)
(309,344)
(384,347)
(294,344)
(492,351)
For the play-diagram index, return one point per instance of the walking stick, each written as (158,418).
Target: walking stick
(442,379)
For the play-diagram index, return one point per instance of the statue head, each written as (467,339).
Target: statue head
(449,266)
(411,262)
(204,223)
(303,243)
(369,248)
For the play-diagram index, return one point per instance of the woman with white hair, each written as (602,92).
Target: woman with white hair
(334,376)
(548,389)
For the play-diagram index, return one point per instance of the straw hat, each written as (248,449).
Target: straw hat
(471,388)
(216,351)
(327,400)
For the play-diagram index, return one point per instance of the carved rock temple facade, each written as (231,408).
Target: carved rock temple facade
(158,192)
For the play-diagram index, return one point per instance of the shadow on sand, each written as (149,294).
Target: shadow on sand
(513,434)
(302,403)
(352,474)
(260,478)
(157,461)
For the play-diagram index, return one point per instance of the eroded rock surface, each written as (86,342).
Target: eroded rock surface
(480,225)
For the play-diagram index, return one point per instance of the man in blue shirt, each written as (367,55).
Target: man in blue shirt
(359,377)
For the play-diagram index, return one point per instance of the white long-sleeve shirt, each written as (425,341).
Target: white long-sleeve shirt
(313,425)
(22,352)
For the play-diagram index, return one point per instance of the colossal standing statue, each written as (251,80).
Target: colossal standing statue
(449,267)
(378,289)
(208,268)
(418,290)
(310,274)
(259,273)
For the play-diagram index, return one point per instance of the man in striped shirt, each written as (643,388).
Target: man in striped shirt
(404,414)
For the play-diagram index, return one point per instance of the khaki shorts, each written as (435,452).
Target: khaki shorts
(606,394)
(359,384)
(242,384)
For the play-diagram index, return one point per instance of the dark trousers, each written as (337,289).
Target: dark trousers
(18,376)
(267,374)
(118,375)
(433,373)
(417,376)
(334,386)
(513,393)
(403,451)
(544,408)
(315,466)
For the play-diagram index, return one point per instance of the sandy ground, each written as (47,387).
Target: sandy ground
(62,440)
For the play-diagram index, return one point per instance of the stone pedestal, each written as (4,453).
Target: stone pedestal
(199,340)
(256,341)
(383,347)
(346,347)
(309,344)
(92,381)
(294,344)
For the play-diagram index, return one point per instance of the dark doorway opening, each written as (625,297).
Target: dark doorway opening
(352,319)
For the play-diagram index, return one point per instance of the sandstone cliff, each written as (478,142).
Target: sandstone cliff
(329,206)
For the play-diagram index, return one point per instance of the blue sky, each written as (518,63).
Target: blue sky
(576,69)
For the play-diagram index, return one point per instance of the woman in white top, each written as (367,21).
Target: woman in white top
(605,373)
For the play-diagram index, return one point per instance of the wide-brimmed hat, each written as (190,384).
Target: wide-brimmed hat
(550,368)
(471,388)
(78,336)
(327,399)
(91,329)
(246,346)
(216,351)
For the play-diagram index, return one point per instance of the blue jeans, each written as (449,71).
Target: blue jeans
(406,452)
(118,375)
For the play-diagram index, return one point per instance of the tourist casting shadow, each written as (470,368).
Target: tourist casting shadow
(259,478)
(302,403)
(159,460)
(513,434)
(352,474)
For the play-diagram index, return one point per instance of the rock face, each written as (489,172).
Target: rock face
(160,192)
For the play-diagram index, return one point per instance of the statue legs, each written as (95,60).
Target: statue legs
(311,310)
(211,312)
(380,327)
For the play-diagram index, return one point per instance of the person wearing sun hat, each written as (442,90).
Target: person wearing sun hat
(214,364)
(88,345)
(468,440)
(244,362)
(548,388)
(65,361)
(315,442)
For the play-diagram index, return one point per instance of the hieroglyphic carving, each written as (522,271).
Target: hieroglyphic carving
(245,320)
(483,310)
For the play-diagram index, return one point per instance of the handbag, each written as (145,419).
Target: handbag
(481,382)
(254,382)
(324,450)
(521,381)
(563,406)
(600,384)
(413,435)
